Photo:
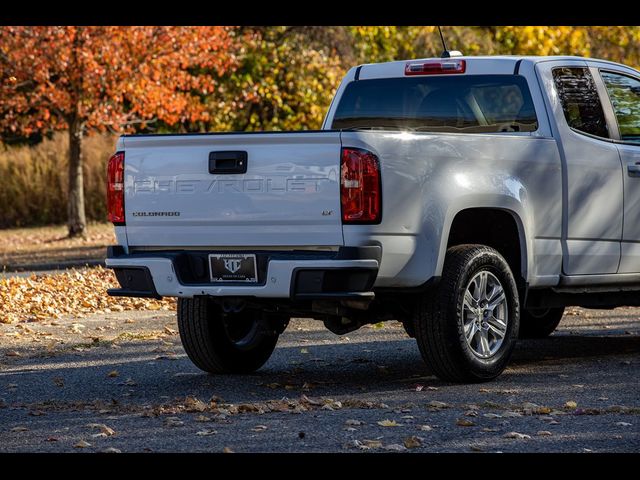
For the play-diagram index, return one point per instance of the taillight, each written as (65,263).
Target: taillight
(115,189)
(436,67)
(360,189)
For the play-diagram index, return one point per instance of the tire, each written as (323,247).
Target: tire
(539,323)
(223,343)
(441,315)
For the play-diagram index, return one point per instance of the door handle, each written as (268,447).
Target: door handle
(634,170)
(228,162)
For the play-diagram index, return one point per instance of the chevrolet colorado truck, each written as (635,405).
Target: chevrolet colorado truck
(470,198)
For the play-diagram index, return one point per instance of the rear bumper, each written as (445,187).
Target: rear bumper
(349,272)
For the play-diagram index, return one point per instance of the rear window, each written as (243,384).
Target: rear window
(466,104)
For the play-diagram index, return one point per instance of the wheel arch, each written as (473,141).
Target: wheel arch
(465,225)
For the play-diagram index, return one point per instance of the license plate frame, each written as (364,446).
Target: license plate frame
(233,268)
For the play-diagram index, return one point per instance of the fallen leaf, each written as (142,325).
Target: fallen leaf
(517,436)
(173,422)
(570,404)
(59,381)
(623,424)
(412,442)
(205,433)
(395,447)
(113,373)
(476,448)
(13,353)
(202,418)
(425,428)
(227,450)
(331,405)
(463,422)
(193,404)
(82,444)
(388,423)
(511,414)
(170,331)
(111,450)
(544,433)
(367,444)
(354,422)
(259,428)
(419,388)
(106,431)
(304,350)
(491,415)
(19,429)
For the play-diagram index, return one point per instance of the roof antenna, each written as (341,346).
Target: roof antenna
(446,53)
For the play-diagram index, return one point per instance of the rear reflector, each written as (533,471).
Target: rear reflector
(360,190)
(436,67)
(115,189)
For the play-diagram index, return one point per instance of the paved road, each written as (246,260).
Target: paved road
(121,381)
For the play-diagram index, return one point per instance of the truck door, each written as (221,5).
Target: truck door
(592,172)
(623,89)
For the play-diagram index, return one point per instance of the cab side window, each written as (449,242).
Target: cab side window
(624,93)
(580,101)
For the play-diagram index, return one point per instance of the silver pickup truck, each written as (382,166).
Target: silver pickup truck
(470,198)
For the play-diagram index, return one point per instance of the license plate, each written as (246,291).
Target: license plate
(233,267)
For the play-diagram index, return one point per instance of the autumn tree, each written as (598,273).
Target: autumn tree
(84,79)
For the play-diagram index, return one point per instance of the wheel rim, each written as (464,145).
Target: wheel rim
(485,314)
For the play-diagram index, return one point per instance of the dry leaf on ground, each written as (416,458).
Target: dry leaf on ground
(412,442)
(388,423)
(395,447)
(463,422)
(517,436)
(111,450)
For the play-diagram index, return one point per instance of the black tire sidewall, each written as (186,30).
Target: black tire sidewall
(540,326)
(207,344)
(495,264)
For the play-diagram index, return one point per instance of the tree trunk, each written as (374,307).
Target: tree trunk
(77,219)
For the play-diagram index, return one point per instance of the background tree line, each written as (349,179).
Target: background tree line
(109,80)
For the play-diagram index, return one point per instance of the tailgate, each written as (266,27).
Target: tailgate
(289,195)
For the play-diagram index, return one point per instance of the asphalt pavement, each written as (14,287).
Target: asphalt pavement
(121,382)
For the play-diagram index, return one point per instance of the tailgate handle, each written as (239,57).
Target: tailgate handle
(228,162)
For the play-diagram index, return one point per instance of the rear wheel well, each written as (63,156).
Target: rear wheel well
(491,227)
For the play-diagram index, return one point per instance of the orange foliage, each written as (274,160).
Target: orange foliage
(106,76)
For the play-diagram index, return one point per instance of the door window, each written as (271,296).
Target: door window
(580,101)
(624,93)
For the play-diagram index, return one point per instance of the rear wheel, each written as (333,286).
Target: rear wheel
(540,323)
(219,342)
(467,326)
